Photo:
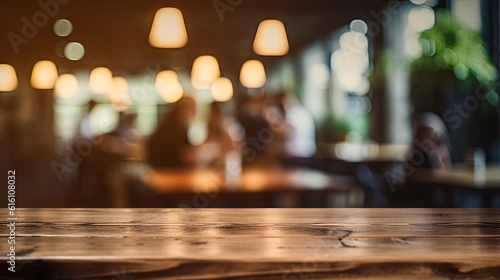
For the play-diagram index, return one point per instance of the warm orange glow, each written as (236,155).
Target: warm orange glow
(8,78)
(44,75)
(271,38)
(205,70)
(100,80)
(66,86)
(168,29)
(253,74)
(168,86)
(119,94)
(222,89)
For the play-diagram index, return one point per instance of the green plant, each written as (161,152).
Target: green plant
(451,46)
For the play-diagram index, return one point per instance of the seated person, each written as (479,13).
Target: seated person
(168,143)
(429,153)
(430,147)
(219,134)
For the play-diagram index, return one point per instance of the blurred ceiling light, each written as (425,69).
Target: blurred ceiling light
(421,18)
(119,94)
(168,29)
(63,27)
(172,92)
(74,51)
(418,2)
(100,80)
(359,26)
(205,70)
(271,38)
(253,74)
(222,89)
(352,41)
(66,86)
(168,86)
(44,75)
(8,78)
(166,76)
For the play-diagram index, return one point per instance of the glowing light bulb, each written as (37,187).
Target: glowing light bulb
(168,29)
(44,75)
(222,89)
(168,86)
(100,80)
(271,38)
(205,70)
(8,78)
(66,86)
(253,74)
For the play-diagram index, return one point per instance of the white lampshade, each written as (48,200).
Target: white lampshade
(168,29)
(168,86)
(8,78)
(119,94)
(271,38)
(66,86)
(100,80)
(205,70)
(253,74)
(44,75)
(222,89)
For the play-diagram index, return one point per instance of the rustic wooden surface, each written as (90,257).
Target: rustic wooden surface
(255,244)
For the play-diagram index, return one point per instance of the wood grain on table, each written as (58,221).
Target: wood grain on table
(255,244)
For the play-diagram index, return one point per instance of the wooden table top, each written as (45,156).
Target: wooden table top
(462,176)
(336,243)
(253,179)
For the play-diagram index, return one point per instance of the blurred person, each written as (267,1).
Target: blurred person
(84,128)
(91,177)
(219,132)
(431,144)
(124,140)
(429,152)
(258,132)
(169,145)
(169,141)
(300,136)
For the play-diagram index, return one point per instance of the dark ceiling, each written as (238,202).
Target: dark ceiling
(115,32)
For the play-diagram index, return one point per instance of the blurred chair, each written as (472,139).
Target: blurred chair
(376,191)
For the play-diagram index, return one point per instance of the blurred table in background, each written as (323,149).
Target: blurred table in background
(364,152)
(484,183)
(346,157)
(255,244)
(461,177)
(255,187)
